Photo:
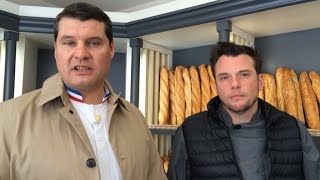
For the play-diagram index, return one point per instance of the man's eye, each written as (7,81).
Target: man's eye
(244,75)
(222,78)
(94,43)
(68,43)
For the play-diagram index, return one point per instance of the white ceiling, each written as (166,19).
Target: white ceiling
(277,21)
(110,5)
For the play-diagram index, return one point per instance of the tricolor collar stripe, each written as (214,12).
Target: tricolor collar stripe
(76,95)
(73,91)
(75,99)
(106,96)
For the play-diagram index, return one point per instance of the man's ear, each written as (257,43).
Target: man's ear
(112,49)
(54,46)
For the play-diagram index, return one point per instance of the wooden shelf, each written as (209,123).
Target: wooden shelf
(314,132)
(171,129)
(163,129)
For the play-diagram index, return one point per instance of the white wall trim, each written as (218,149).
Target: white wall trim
(128,72)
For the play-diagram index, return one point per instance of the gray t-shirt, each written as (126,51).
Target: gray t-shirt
(249,144)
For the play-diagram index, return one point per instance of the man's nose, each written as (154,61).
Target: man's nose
(235,82)
(81,51)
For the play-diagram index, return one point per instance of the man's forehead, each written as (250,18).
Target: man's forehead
(234,64)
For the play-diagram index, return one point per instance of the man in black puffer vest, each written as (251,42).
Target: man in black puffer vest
(242,137)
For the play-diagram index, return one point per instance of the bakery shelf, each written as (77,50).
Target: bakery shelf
(314,132)
(171,129)
(163,129)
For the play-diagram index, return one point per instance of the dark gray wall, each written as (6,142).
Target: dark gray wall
(297,50)
(117,73)
(46,67)
(192,56)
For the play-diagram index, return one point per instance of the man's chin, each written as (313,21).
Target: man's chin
(237,108)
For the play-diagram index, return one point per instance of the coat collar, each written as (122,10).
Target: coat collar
(54,88)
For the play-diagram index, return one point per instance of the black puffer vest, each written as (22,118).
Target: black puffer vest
(210,151)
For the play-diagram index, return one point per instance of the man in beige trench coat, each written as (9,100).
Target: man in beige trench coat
(75,127)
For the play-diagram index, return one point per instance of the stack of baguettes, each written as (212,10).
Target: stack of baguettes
(189,90)
(183,92)
(294,94)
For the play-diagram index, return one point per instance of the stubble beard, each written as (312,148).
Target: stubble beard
(242,109)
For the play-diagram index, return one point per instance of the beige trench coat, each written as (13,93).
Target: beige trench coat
(42,138)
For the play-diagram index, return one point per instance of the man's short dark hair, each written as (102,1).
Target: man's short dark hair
(232,49)
(84,11)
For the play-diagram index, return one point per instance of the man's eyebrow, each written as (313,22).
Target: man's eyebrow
(222,74)
(241,71)
(245,70)
(66,37)
(95,37)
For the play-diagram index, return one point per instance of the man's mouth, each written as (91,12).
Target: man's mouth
(236,96)
(82,68)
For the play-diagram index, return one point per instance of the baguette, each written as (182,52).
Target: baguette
(279,83)
(173,119)
(300,114)
(164,96)
(179,95)
(261,89)
(289,93)
(315,82)
(196,90)
(205,87)
(309,102)
(212,81)
(165,161)
(187,91)
(270,89)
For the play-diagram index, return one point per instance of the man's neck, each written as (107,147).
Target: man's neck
(93,96)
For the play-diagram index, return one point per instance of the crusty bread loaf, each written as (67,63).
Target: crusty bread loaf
(261,89)
(205,86)
(164,96)
(165,160)
(315,82)
(270,89)
(279,83)
(179,95)
(212,81)
(187,91)
(172,116)
(196,90)
(289,93)
(300,114)
(309,101)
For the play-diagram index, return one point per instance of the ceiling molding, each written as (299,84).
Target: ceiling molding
(119,30)
(36,24)
(45,25)
(9,21)
(210,12)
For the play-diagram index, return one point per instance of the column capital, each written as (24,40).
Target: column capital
(224,25)
(10,35)
(136,42)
